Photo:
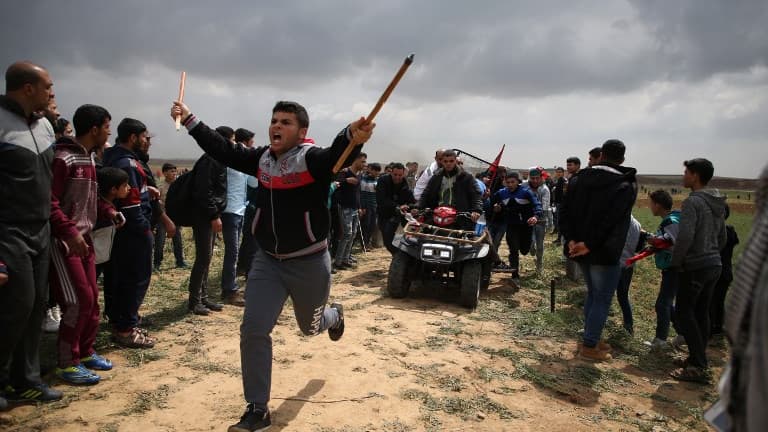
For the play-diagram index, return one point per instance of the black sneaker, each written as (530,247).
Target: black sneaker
(216,307)
(254,419)
(199,309)
(336,332)
(36,393)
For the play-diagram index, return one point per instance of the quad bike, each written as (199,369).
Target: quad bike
(435,252)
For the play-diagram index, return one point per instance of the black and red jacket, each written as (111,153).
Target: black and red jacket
(292,218)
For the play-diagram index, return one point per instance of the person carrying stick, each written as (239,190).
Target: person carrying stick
(291,228)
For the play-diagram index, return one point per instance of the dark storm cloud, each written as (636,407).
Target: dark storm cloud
(684,76)
(503,49)
(700,38)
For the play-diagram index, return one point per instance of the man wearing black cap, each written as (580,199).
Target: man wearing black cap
(127,274)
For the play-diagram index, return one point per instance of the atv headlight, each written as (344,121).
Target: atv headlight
(435,252)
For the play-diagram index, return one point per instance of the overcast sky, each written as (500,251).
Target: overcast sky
(550,79)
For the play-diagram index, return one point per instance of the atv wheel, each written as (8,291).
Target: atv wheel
(471,275)
(398,280)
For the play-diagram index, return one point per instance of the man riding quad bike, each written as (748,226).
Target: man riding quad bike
(442,244)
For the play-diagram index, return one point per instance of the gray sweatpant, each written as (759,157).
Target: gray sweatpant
(307,280)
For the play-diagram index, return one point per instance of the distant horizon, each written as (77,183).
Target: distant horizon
(160,160)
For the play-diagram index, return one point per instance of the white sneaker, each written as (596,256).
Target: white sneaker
(51,320)
(657,344)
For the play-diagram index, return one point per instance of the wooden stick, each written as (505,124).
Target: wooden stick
(407,62)
(181,97)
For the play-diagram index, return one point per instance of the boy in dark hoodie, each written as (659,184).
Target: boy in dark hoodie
(75,205)
(696,255)
(595,220)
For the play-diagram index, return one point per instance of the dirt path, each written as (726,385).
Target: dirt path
(419,364)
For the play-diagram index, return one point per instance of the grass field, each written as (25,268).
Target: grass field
(415,364)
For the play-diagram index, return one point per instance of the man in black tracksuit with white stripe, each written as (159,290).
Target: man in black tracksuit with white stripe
(291,228)
(26,153)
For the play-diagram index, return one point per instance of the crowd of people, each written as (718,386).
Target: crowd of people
(75,207)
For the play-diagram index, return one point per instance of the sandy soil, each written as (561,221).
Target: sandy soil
(415,364)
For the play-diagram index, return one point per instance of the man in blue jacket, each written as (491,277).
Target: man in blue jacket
(594,221)
(522,211)
(291,228)
(128,272)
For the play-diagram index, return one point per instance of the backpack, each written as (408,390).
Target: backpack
(179,200)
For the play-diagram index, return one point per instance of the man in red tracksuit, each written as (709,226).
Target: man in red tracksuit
(74,208)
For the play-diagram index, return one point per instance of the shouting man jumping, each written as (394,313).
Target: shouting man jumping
(291,228)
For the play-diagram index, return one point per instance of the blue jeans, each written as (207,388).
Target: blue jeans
(622,295)
(178,247)
(369,223)
(537,244)
(665,303)
(602,281)
(350,221)
(231,228)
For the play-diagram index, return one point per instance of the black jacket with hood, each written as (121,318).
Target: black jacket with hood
(210,188)
(596,210)
(466,195)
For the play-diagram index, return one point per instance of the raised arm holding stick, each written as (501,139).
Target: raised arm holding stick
(406,63)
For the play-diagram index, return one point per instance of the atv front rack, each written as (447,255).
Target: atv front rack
(432,232)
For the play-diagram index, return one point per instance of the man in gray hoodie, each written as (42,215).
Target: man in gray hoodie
(697,255)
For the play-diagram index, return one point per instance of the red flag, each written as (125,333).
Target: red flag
(495,165)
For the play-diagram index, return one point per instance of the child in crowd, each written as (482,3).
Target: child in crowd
(661,206)
(635,241)
(170,172)
(113,184)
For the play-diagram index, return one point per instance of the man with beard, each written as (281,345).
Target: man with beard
(128,272)
(158,209)
(453,187)
(25,176)
(291,228)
